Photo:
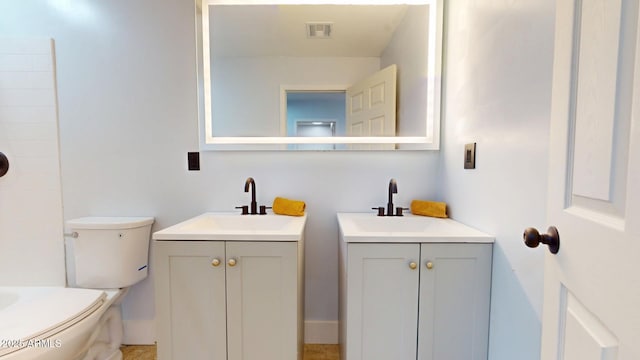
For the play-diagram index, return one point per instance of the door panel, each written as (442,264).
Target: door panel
(592,286)
(595,97)
(371,107)
(357,99)
(602,99)
(376,126)
(585,337)
(382,301)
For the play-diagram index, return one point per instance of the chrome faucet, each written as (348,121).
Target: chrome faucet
(393,189)
(254,204)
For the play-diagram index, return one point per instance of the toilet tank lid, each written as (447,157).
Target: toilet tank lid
(105,223)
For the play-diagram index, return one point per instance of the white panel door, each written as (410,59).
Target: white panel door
(371,105)
(262,300)
(592,286)
(455,287)
(190,300)
(382,301)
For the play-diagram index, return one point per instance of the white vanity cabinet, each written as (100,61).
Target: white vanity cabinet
(230,287)
(415,296)
(228,300)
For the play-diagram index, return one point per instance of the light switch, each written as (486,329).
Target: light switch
(470,156)
(193,161)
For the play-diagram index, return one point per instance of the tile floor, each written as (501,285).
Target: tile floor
(311,352)
(138,352)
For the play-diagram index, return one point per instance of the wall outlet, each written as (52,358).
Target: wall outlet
(470,156)
(193,161)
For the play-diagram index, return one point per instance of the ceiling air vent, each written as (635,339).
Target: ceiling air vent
(319,30)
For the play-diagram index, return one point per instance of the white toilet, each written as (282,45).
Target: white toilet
(109,253)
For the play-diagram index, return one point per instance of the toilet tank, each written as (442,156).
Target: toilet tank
(110,252)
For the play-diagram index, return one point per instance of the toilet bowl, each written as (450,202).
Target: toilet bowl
(106,337)
(48,323)
(85,322)
(110,254)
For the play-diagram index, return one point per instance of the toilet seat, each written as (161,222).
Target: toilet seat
(45,312)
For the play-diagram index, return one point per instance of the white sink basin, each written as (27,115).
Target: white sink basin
(368,227)
(233,226)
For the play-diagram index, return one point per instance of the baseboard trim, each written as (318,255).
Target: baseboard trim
(139,332)
(320,332)
(142,332)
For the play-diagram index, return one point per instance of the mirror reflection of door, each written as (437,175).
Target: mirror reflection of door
(371,105)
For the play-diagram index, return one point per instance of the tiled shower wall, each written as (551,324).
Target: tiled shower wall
(31,225)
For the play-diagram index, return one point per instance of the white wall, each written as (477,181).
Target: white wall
(249,101)
(409,50)
(497,93)
(31,242)
(128,115)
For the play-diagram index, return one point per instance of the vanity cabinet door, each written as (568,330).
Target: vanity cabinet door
(262,300)
(455,283)
(190,300)
(382,301)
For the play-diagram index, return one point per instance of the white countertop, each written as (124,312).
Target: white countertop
(233,226)
(368,227)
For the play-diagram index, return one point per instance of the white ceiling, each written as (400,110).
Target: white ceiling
(279,30)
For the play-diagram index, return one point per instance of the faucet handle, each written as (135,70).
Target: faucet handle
(263,209)
(399,210)
(380,210)
(245,209)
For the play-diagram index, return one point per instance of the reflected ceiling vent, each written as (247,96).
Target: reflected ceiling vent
(319,30)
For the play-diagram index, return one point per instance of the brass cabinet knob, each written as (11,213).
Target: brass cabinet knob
(232,262)
(215,262)
(429,265)
(413,265)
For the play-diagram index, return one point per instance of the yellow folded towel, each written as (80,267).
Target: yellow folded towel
(429,208)
(284,206)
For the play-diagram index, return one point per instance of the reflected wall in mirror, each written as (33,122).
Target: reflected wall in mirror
(381,61)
